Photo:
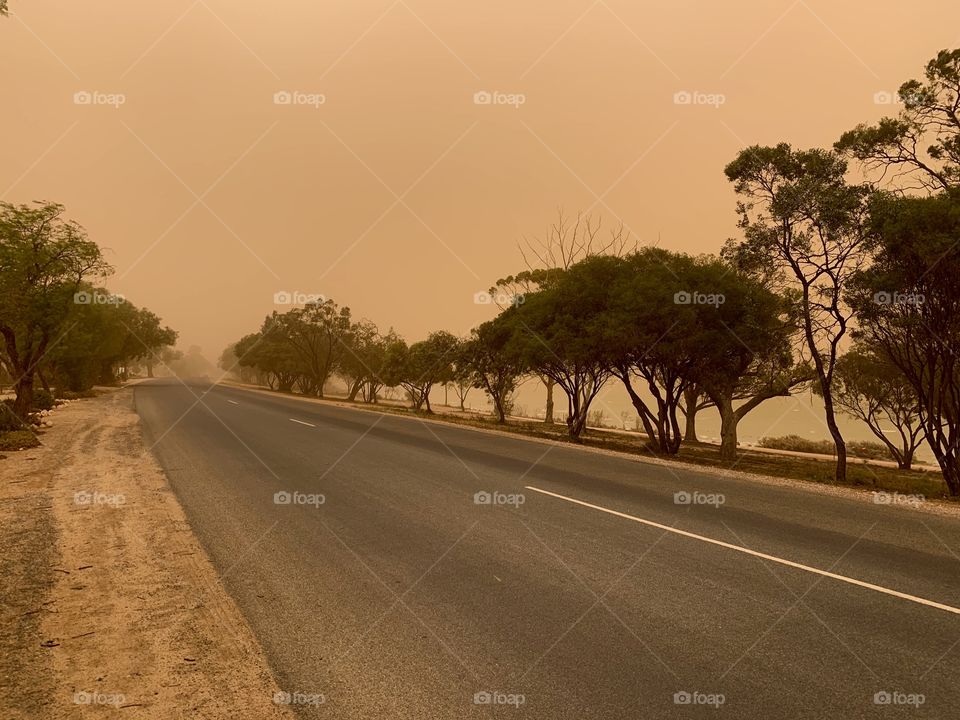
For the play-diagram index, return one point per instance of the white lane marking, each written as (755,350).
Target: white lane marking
(301,422)
(748,551)
(233,401)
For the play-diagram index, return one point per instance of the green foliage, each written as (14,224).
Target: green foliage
(422,365)
(804,228)
(869,387)
(919,149)
(43,400)
(44,259)
(908,303)
(8,418)
(18,440)
(490,361)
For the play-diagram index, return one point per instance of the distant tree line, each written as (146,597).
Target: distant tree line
(850,288)
(60,329)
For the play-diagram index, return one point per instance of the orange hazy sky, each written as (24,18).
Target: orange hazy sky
(384,184)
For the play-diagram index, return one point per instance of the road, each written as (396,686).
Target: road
(384,590)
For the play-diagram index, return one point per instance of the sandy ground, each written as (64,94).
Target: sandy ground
(109,607)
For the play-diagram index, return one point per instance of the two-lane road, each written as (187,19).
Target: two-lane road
(355,545)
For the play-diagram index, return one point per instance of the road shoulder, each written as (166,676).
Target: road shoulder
(113,599)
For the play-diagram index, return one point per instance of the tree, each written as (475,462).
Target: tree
(463,372)
(871,388)
(920,147)
(803,226)
(745,345)
(420,366)
(147,337)
(493,363)
(647,334)
(44,258)
(318,333)
(363,359)
(357,364)
(271,353)
(566,243)
(908,303)
(557,334)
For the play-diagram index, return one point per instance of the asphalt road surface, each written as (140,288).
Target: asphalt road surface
(382,586)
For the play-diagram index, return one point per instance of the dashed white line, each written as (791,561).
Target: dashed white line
(748,551)
(301,422)
(233,401)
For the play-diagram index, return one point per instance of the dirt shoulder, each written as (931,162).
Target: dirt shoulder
(108,600)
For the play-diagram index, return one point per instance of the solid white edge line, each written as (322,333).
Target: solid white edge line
(301,422)
(755,553)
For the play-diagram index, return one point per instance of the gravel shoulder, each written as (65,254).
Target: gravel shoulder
(107,599)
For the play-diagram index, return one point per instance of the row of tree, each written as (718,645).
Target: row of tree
(59,327)
(824,265)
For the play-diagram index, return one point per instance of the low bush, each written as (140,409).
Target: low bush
(74,395)
(8,419)
(43,400)
(18,440)
(855,448)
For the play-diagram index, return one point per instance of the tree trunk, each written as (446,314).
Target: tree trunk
(548,414)
(149,368)
(841,474)
(906,460)
(691,398)
(728,429)
(498,404)
(43,381)
(24,399)
(950,465)
(642,411)
(354,389)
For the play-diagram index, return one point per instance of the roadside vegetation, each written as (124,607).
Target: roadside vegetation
(848,288)
(62,332)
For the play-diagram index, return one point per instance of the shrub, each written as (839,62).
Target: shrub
(856,448)
(8,419)
(76,395)
(17,440)
(43,400)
